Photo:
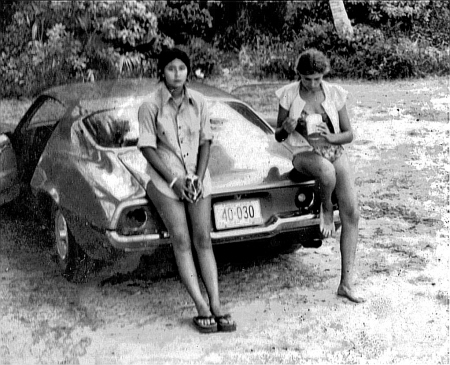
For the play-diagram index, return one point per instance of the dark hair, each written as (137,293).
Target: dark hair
(312,61)
(168,55)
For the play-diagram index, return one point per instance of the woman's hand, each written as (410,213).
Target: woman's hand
(181,190)
(189,188)
(194,187)
(324,132)
(289,124)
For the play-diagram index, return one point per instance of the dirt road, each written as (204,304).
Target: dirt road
(286,308)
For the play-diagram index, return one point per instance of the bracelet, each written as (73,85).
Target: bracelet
(173,182)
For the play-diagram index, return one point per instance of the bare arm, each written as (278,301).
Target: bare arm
(153,159)
(285,125)
(202,163)
(346,134)
(203,159)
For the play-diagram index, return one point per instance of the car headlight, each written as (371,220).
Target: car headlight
(139,220)
(136,218)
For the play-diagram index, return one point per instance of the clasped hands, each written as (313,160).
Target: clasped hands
(189,188)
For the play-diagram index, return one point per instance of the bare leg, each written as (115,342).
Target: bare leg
(349,213)
(173,213)
(200,219)
(323,170)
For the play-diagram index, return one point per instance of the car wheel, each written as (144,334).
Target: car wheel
(75,265)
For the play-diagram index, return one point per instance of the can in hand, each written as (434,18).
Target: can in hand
(312,121)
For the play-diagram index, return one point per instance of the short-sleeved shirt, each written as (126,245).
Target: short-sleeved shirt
(176,133)
(289,98)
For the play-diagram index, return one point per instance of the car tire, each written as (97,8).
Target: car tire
(74,263)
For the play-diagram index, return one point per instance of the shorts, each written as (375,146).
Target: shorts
(331,152)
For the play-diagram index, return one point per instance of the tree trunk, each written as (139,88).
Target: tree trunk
(340,18)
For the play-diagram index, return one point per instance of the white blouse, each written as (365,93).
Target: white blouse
(175,133)
(289,97)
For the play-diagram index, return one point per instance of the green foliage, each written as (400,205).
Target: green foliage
(425,19)
(51,42)
(270,57)
(239,23)
(54,58)
(182,20)
(398,45)
(189,24)
(373,55)
(204,57)
(370,55)
(48,43)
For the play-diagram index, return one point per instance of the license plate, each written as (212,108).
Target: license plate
(240,213)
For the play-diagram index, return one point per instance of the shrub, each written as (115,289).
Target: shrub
(425,58)
(204,57)
(182,20)
(368,55)
(99,39)
(270,57)
(46,43)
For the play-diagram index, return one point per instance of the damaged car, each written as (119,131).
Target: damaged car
(73,160)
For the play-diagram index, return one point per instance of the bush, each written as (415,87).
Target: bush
(371,55)
(182,20)
(98,40)
(368,55)
(47,43)
(269,57)
(204,57)
(240,23)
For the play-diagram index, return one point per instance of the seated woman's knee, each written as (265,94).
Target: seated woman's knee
(327,175)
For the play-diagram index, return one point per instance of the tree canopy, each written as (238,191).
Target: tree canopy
(50,42)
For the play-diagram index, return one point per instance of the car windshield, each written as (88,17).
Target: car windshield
(237,114)
(238,134)
(230,121)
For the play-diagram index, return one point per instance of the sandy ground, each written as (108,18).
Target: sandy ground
(286,308)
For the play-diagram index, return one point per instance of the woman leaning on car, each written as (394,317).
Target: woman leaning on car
(175,136)
(320,153)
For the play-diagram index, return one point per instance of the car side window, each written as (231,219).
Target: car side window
(114,128)
(50,112)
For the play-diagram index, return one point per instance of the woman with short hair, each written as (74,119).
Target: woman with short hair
(313,120)
(175,138)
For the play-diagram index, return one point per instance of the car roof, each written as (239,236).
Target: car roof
(122,88)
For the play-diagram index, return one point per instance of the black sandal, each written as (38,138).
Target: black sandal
(224,323)
(205,328)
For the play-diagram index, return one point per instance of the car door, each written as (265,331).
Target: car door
(9,183)
(32,133)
